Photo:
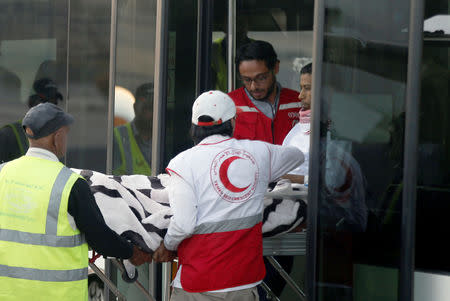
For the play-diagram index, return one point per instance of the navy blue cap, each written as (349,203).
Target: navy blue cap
(45,119)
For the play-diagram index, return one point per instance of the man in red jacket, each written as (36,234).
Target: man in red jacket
(265,110)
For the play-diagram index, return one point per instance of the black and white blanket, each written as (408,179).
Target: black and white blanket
(138,208)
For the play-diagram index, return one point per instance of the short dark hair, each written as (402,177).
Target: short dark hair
(257,50)
(307,69)
(198,133)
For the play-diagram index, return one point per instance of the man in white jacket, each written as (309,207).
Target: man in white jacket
(216,194)
(344,188)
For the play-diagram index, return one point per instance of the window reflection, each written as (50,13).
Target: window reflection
(88,83)
(362,130)
(32,66)
(132,139)
(133,107)
(13,140)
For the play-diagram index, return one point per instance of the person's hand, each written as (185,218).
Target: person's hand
(163,255)
(139,257)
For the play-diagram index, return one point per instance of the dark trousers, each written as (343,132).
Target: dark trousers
(273,279)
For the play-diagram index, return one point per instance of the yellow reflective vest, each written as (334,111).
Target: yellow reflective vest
(41,256)
(132,159)
(219,65)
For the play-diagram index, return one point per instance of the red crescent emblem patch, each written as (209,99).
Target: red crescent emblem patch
(241,166)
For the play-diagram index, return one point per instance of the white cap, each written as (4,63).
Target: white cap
(215,104)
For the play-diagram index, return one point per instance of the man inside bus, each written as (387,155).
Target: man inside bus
(132,141)
(13,141)
(344,182)
(265,110)
(343,204)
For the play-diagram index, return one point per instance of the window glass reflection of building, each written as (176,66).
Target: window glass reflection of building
(132,140)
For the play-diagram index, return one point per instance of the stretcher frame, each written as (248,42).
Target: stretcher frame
(112,287)
(289,244)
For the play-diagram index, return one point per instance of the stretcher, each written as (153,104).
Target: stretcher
(287,244)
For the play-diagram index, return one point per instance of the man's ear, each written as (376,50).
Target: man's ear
(29,131)
(276,69)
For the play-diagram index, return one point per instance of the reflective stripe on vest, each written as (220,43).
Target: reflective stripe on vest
(1,166)
(41,239)
(228,225)
(242,109)
(291,105)
(126,148)
(221,260)
(43,275)
(55,200)
(49,238)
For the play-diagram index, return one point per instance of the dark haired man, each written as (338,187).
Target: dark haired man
(13,142)
(216,194)
(265,110)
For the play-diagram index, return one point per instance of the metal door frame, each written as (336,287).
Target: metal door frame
(415,41)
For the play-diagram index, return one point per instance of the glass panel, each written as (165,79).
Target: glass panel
(362,125)
(33,37)
(181,72)
(287,26)
(133,112)
(433,176)
(133,108)
(88,83)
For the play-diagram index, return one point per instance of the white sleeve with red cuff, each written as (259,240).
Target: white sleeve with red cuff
(184,207)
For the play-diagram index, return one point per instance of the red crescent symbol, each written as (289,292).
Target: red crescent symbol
(223,173)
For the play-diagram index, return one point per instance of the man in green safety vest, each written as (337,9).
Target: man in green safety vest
(132,141)
(13,142)
(48,216)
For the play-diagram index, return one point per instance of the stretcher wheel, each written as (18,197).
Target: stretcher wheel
(128,279)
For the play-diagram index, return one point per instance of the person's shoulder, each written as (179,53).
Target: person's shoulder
(237,94)
(80,185)
(181,159)
(6,131)
(248,144)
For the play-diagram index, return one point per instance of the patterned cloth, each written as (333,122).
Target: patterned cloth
(138,208)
